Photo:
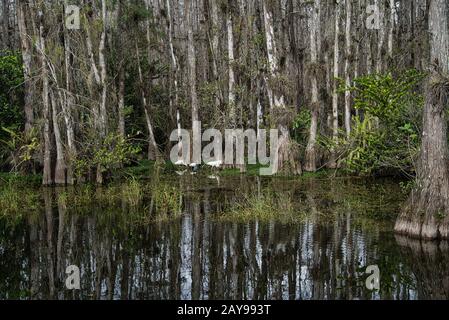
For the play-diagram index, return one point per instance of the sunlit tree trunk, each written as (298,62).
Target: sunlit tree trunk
(67,107)
(103,71)
(380,37)
(391,29)
(348,35)
(311,152)
(333,160)
(121,71)
(27,58)
(191,62)
(231,75)
(174,97)
(215,47)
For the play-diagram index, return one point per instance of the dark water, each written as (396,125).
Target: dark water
(347,227)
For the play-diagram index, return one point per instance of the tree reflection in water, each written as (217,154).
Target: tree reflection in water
(198,256)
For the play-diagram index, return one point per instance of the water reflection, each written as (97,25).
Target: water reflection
(200,257)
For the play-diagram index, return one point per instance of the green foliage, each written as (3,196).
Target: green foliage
(113,152)
(386,136)
(19,148)
(135,13)
(11,96)
(301,126)
(388,97)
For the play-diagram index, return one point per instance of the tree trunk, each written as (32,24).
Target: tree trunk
(215,46)
(347,62)
(47,178)
(153,150)
(5,25)
(103,72)
(231,76)
(381,37)
(26,57)
(311,152)
(121,101)
(60,168)
(391,30)
(426,214)
(288,153)
(174,97)
(333,160)
(191,62)
(67,105)
(121,77)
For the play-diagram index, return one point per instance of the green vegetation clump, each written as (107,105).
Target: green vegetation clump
(143,202)
(265,206)
(17,201)
(386,135)
(11,105)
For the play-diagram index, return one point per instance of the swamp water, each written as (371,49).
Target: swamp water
(229,238)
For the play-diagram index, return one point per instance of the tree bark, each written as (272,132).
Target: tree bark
(121,80)
(333,160)
(5,25)
(310,164)
(60,168)
(67,105)
(231,75)
(288,153)
(381,37)
(153,150)
(27,58)
(191,62)
(391,30)
(47,178)
(347,62)
(426,214)
(103,72)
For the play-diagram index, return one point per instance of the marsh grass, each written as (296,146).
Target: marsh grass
(133,192)
(268,205)
(167,199)
(15,200)
(143,202)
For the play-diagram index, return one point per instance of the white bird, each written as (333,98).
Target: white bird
(215,164)
(181,162)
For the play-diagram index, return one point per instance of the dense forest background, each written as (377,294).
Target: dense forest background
(342,80)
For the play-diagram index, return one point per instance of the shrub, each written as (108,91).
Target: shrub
(386,135)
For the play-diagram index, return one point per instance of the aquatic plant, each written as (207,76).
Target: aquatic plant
(132,192)
(265,206)
(18,201)
(167,200)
